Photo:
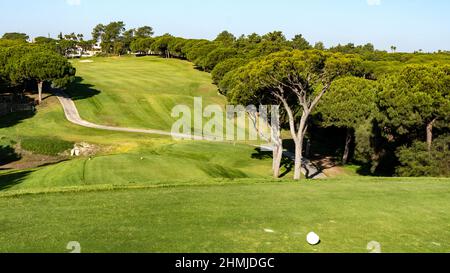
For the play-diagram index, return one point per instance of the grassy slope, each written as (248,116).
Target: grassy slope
(140,92)
(404,215)
(50,121)
(160,164)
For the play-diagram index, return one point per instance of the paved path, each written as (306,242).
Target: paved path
(73,116)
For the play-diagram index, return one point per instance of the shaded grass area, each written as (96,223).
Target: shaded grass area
(10,179)
(7,155)
(346,213)
(15,118)
(7,152)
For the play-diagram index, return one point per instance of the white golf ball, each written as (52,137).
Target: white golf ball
(312,238)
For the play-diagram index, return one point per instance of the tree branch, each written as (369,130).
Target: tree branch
(288,110)
(319,97)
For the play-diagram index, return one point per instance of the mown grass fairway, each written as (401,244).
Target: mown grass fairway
(139,92)
(403,215)
(145,193)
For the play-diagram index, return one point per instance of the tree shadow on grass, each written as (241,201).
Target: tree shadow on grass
(79,90)
(53,163)
(217,171)
(13,119)
(10,180)
(286,162)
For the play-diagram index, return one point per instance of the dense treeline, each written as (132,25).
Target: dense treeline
(387,111)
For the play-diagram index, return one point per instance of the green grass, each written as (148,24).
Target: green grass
(161,164)
(50,121)
(139,92)
(403,215)
(4,141)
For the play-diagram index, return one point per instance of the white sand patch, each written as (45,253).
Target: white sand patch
(268,230)
(86,61)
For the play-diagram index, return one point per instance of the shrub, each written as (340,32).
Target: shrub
(417,161)
(7,151)
(8,154)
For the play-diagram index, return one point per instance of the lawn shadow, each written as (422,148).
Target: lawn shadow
(79,90)
(12,119)
(10,180)
(53,163)
(286,162)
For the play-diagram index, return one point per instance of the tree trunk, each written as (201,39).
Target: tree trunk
(277,157)
(277,142)
(299,138)
(274,156)
(298,159)
(348,142)
(40,84)
(430,134)
(275,139)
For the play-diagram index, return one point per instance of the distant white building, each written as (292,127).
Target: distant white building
(79,52)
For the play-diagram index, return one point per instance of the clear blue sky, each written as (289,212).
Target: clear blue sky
(408,24)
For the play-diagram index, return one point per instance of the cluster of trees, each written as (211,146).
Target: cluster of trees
(66,45)
(16,36)
(392,122)
(388,108)
(114,38)
(23,64)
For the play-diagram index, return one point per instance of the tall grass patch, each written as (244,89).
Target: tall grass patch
(46,145)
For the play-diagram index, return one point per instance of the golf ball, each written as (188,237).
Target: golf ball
(313,238)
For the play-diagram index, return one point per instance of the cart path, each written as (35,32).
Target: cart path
(73,116)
